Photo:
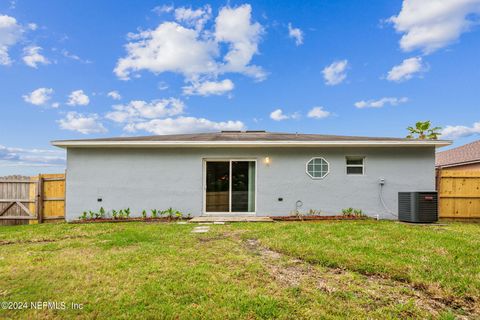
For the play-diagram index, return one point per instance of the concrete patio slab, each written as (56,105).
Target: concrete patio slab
(224,219)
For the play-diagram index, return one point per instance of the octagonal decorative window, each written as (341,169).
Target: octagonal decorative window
(317,168)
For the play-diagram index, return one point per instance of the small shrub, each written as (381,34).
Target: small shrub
(144,214)
(170,212)
(178,214)
(154,213)
(121,214)
(91,214)
(189,216)
(351,212)
(84,215)
(127,213)
(313,212)
(114,214)
(101,212)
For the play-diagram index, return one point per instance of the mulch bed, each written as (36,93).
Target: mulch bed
(316,218)
(166,219)
(110,220)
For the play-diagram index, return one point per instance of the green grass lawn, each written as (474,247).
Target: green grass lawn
(332,270)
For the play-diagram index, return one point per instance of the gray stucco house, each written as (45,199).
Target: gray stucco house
(246,173)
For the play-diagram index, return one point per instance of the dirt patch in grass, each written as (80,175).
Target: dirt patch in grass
(212,238)
(380,291)
(47,240)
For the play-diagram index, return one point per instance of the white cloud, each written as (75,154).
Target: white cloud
(32,56)
(431,25)
(208,88)
(164,116)
(455,132)
(8,154)
(115,95)
(39,96)
(393,101)
(406,70)
(170,47)
(139,110)
(85,124)
(295,33)
(10,34)
(162,85)
(36,157)
(195,52)
(55,105)
(183,125)
(335,73)
(278,115)
(194,18)
(73,56)
(318,113)
(234,26)
(166,8)
(315,112)
(78,98)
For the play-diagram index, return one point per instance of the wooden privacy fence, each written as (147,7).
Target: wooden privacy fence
(459,194)
(25,200)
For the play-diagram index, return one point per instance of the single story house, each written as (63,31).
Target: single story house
(246,173)
(466,157)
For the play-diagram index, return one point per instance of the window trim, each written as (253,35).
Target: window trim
(317,178)
(355,165)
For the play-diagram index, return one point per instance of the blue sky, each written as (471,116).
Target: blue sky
(85,69)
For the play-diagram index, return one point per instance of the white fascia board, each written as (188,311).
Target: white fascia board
(226,144)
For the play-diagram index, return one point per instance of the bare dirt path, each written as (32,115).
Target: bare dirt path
(378,291)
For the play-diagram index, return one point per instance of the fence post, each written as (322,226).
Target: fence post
(438,181)
(438,175)
(40,199)
(65,195)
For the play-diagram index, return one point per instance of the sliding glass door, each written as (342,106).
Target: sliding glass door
(230,186)
(218,186)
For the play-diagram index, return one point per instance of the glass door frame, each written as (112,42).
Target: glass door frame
(204,185)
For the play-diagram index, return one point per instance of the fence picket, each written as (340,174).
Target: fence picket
(19,198)
(459,194)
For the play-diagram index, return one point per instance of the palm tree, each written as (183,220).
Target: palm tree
(423,131)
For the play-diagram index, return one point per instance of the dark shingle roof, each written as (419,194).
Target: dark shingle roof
(464,154)
(247,136)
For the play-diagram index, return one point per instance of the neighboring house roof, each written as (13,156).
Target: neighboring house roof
(469,153)
(247,138)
